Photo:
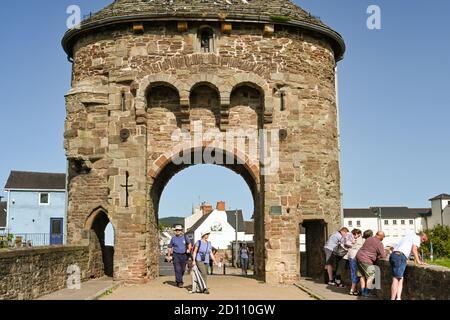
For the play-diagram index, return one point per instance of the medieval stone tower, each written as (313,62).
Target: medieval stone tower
(144,68)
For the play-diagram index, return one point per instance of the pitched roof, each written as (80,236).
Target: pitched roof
(231,219)
(36,181)
(443,196)
(2,214)
(199,222)
(260,11)
(387,212)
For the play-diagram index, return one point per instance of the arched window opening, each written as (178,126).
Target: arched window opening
(246,95)
(206,39)
(205,105)
(166,97)
(163,96)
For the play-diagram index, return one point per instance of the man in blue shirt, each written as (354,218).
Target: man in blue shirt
(180,246)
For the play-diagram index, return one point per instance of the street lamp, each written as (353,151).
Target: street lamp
(236,242)
(377,212)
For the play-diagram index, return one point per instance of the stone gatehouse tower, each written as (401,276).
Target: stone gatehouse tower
(143,69)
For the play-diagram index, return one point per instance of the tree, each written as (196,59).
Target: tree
(440,237)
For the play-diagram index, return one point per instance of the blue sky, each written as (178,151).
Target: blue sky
(394,99)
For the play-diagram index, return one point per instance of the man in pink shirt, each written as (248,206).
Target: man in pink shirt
(370,252)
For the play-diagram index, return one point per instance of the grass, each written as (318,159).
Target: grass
(107,293)
(443,262)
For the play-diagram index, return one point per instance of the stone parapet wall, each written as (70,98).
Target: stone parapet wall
(420,283)
(29,273)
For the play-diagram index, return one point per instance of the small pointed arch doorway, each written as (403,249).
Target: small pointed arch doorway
(100,225)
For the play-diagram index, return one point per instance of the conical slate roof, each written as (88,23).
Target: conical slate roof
(259,11)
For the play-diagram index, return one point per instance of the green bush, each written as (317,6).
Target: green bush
(440,237)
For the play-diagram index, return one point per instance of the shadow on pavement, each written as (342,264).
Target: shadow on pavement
(345,290)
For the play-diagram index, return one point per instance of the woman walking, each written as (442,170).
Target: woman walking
(244,255)
(202,255)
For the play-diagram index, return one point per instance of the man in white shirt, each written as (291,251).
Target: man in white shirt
(399,258)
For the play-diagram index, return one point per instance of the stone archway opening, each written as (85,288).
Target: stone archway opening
(201,192)
(313,234)
(102,238)
(248,173)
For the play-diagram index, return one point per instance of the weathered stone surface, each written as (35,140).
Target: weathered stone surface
(158,82)
(29,273)
(420,282)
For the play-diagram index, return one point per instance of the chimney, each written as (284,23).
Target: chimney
(206,208)
(221,206)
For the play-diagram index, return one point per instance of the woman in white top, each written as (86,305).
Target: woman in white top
(357,244)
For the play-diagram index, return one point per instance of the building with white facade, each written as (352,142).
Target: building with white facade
(440,211)
(395,222)
(224,226)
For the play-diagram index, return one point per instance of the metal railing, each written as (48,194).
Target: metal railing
(26,239)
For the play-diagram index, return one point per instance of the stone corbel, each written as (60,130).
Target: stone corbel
(138,27)
(182,26)
(269,29)
(227,27)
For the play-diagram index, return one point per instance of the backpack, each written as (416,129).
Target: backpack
(340,250)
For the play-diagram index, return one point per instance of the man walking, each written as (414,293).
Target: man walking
(370,252)
(399,258)
(180,246)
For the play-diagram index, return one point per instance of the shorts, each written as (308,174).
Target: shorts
(398,263)
(365,270)
(329,257)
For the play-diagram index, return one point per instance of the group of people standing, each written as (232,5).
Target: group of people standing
(361,251)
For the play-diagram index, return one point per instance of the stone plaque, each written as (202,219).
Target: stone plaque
(275,211)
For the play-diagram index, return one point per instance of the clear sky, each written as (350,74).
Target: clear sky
(394,102)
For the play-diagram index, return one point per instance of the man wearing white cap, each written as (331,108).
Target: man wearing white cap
(202,254)
(180,246)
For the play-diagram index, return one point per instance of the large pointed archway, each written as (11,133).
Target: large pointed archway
(165,170)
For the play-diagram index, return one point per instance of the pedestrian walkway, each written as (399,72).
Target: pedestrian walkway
(322,291)
(232,286)
(229,287)
(90,290)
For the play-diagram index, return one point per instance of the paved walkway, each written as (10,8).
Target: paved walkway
(90,290)
(229,287)
(232,286)
(323,291)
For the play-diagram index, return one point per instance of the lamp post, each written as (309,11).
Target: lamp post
(377,212)
(236,242)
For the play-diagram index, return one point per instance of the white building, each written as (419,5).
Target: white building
(440,211)
(222,225)
(197,213)
(395,222)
